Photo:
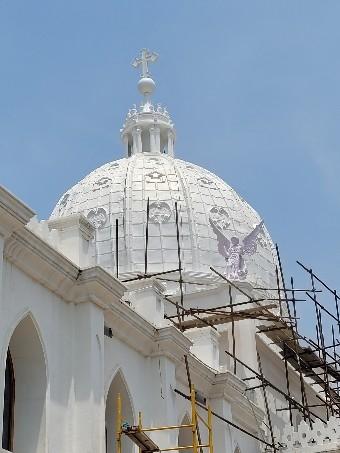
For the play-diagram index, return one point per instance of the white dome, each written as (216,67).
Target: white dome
(210,212)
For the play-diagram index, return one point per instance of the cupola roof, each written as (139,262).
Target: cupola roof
(148,128)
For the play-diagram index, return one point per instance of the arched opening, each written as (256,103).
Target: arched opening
(185,435)
(237,450)
(9,398)
(117,386)
(25,392)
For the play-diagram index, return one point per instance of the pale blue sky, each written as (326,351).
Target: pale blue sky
(253,88)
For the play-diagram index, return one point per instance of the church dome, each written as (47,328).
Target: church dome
(216,226)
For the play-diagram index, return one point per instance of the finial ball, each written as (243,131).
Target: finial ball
(146,86)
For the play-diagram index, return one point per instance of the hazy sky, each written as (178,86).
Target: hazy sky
(253,88)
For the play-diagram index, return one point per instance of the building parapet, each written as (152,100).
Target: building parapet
(321,437)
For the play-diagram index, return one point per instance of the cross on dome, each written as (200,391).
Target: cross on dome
(143,60)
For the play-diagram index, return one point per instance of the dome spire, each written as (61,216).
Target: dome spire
(147,129)
(146,84)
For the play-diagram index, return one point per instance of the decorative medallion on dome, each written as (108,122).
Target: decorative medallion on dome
(97,217)
(160,212)
(262,240)
(155,176)
(234,250)
(219,217)
(63,202)
(154,161)
(102,183)
(206,182)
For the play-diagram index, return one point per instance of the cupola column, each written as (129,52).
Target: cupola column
(171,139)
(137,140)
(155,139)
(126,144)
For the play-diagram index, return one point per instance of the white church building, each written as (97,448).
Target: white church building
(88,302)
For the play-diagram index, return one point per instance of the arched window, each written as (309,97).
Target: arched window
(24,429)
(118,386)
(9,396)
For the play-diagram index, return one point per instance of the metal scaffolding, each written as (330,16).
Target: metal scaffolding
(139,435)
(316,361)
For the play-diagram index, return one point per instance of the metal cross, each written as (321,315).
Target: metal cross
(145,57)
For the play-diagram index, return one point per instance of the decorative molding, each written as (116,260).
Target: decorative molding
(98,282)
(231,388)
(171,343)
(102,183)
(155,176)
(322,437)
(73,221)
(155,160)
(63,202)
(220,217)
(142,284)
(160,212)
(225,386)
(114,165)
(206,182)
(98,217)
(41,262)
(14,214)
(262,240)
(58,274)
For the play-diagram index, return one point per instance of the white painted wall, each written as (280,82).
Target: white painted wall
(68,374)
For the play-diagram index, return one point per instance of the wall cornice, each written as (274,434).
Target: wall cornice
(53,270)
(170,342)
(41,262)
(148,283)
(232,389)
(226,386)
(130,327)
(101,284)
(14,214)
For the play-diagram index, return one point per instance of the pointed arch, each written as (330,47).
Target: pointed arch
(118,386)
(26,313)
(29,374)
(184,434)
(237,449)
(119,370)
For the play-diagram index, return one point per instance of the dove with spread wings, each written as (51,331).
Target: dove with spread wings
(233,250)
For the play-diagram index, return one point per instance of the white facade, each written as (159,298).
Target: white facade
(59,293)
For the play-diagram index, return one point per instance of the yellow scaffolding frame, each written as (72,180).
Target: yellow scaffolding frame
(139,435)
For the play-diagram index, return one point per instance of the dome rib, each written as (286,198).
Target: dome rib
(191,222)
